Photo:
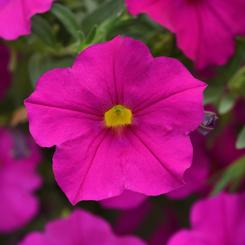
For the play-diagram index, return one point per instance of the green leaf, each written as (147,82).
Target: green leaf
(240,144)
(212,94)
(39,64)
(226,104)
(105,11)
(237,82)
(67,18)
(233,176)
(43,30)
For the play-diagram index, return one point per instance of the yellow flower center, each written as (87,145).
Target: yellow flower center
(118,116)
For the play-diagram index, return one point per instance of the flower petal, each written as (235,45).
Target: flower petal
(13,207)
(174,98)
(103,165)
(94,171)
(127,200)
(108,66)
(205,30)
(79,228)
(59,109)
(185,237)
(15,16)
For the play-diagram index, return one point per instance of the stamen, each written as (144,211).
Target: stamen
(118,116)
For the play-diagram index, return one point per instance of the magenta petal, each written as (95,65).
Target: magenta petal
(80,227)
(58,102)
(13,208)
(112,67)
(106,165)
(156,169)
(205,30)
(173,100)
(18,180)
(223,219)
(94,171)
(15,16)
(186,237)
(127,200)
(218,220)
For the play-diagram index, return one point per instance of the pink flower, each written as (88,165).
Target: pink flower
(215,221)
(205,29)
(4,73)
(196,177)
(15,16)
(80,227)
(120,120)
(18,179)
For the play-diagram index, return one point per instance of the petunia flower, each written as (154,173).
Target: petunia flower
(4,72)
(19,179)
(205,29)
(80,227)
(216,221)
(120,120)
(15,16)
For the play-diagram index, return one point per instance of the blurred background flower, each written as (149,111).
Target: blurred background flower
(19,158)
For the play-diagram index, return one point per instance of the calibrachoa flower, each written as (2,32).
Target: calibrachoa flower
(205,29)
(18,179)
(15,16)
(4,73)
(80,227)
(120,120)
(216,221)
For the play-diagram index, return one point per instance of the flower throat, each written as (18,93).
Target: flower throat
(118,116)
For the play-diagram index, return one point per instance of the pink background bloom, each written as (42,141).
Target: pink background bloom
(216,221)
(93,162)
(18,179)
(4,73)
(80,227)
(205,29)
(15,16)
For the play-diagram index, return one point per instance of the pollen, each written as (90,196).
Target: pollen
(118,116)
